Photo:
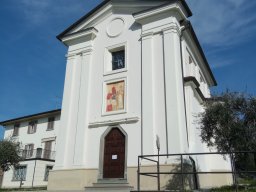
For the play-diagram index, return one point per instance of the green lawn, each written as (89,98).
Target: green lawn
(25,189)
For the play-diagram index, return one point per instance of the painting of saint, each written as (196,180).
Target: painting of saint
(115,96)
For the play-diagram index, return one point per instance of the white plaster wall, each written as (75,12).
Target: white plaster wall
(35,138)
(192,69)
(194,106)
(205,162)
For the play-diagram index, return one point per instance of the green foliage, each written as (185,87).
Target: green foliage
(229,122)
(9,154)
(25,189)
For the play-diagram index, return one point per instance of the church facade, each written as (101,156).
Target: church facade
(135,72)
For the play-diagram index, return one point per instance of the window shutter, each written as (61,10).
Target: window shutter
(16,130)
(29,127)
(32,147)
(48,145)
(35,126)
(50,123)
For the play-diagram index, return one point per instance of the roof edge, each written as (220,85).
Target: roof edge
(187,24)
(183,3)
(62,34)
(3,123)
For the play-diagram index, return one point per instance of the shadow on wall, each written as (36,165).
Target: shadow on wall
(188,180)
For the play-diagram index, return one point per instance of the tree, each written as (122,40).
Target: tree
(229,124)
(9,154)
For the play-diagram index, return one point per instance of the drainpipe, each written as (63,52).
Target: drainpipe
(34,175)
(38,155)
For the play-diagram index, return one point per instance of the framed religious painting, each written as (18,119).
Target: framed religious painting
(114,98)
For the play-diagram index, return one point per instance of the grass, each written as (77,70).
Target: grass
(243,185)
(25,189)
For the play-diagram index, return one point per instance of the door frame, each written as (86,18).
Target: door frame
(102,148)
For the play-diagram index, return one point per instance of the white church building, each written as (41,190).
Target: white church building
(135,72)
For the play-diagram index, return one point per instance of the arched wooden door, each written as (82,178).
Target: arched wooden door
(114,154)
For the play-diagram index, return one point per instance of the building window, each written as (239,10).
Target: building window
(115,60)
(32,127)
(28,151)
(47,150)
(190,60)
(16,130)
(118,60)
(201,78)
(19,173)
(50,125)
(47,170)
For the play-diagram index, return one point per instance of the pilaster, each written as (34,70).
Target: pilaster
(175,105)
(66,135)
(83,109)
(148,116)
(74,123)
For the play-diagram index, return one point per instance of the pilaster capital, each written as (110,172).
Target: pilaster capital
(87,51)
(173,28)
(70,56)
(147,35)
(81,52)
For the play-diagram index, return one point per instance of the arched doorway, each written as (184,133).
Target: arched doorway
(114,154)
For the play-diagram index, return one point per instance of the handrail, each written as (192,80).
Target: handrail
(38,153)
(182,172)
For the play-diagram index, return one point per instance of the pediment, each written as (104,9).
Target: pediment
(109,7)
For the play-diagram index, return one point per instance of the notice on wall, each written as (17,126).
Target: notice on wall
(114,157)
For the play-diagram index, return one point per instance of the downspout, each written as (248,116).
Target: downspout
(34,174)
(141,103)
(183,28)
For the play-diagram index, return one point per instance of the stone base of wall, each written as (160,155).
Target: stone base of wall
(215,180)
(79,179)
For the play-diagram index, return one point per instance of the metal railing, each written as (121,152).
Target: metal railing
(186,166)
(38,153)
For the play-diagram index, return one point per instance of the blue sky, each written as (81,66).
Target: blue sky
(32,67)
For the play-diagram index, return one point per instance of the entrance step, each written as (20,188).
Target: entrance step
(110,186)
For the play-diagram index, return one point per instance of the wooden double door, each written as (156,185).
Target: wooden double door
(114,154)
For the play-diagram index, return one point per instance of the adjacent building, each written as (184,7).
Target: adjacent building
(37,137)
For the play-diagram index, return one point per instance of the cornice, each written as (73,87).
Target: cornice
(89,33)
(141,16)
(196,85)
(114,122)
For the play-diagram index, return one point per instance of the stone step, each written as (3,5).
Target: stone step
(110,186)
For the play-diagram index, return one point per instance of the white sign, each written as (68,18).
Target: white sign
(114,157)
